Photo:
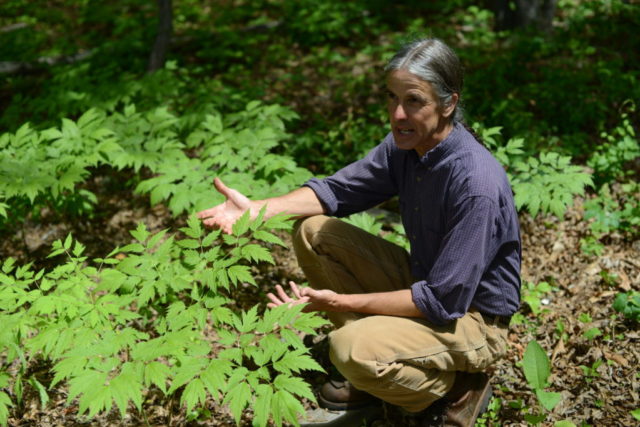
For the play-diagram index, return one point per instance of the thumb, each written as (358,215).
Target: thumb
(308,292)
(222,189)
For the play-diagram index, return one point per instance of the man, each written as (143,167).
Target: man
(420,327)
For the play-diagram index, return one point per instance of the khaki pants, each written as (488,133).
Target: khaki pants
(404,361)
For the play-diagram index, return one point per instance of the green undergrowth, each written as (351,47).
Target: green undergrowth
(182,159)
(156,314)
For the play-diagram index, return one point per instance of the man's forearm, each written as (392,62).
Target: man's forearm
(394,303)
(301,202)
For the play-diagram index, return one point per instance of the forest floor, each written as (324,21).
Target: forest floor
(598,377)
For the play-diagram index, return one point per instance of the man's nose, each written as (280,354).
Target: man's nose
(398,112)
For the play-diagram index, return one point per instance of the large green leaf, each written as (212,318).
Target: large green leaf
(548,399)
(535,364)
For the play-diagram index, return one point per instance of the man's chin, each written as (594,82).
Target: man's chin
(404,142)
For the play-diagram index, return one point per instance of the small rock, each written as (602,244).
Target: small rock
(593,269)
(558,247)
(610,263)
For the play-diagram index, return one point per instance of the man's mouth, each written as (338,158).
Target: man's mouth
(405,131)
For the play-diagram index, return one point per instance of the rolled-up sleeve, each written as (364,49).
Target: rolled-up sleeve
(358,186)
(470,243)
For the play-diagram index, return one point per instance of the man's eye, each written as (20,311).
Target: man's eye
(391,95)
(416,100)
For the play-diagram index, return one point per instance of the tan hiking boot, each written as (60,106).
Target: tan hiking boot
(341,395)
(468,398)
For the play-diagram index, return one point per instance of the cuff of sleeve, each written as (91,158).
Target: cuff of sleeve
(324,194)
(430,308)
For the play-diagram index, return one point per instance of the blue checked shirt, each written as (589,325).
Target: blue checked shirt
(458,212)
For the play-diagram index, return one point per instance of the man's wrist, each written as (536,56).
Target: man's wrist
(255,206)
(345,302)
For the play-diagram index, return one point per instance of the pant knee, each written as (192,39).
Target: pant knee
(350,354)
(304,231)
(354,354)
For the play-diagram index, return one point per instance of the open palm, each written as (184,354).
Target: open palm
(224,215)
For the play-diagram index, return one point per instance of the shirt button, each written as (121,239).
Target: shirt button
(413,237)
(416,209)
(418,179)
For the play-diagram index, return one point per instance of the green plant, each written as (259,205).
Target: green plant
(239,145)
(5,400)
(609,212)
(543,184)
(537,369)
(327,147)
(591,372)
(158,313)
(560,330)
(628,303)
(491,416)
(366,222)
(376,225)
(547,184)
(238,148)
(591,246)
(585,318)
(475,25)
(311,23)
(609,279)
(532,295)
(57,160)
(620,146)
(592,333)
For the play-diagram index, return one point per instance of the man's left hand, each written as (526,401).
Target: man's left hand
(317,300)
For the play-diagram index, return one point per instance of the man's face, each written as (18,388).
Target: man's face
(417,121)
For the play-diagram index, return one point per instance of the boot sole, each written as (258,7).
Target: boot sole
(343,406)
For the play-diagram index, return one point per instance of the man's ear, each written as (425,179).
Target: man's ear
(449,109)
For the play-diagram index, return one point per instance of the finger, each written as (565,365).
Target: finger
(274,300)
(210,222)
(295,289)
(216,224)
(282,294)
(207,213)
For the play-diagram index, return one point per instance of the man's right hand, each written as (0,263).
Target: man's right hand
(224,215)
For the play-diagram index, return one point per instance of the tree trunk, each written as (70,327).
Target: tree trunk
(512,14)
(163,38)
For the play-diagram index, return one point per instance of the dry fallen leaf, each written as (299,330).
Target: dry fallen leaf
(557,350)
(620,360)
(625,283)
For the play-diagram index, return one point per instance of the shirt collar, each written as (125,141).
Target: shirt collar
(445,147)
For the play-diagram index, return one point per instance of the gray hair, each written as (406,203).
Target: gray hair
(434,62)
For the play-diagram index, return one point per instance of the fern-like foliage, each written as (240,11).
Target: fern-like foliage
(47,167)
(374,225)
(619,211)
(619,147)
(546,183)
(238,147)
(158,313)
(52,162)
